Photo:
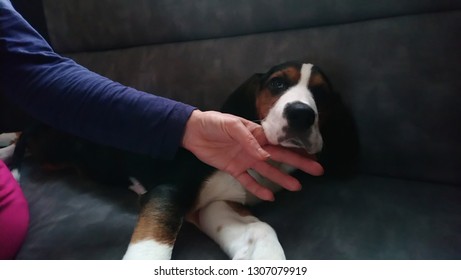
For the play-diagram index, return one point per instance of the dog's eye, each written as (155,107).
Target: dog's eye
(278,84)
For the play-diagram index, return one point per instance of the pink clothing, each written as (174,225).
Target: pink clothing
(14,215)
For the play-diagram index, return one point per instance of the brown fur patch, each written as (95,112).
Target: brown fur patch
(153,224)
(264,103)
(292,74)
(316,79)
(265,99)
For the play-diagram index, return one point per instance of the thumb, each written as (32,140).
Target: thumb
(245,134)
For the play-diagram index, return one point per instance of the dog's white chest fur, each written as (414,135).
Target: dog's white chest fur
(221,186)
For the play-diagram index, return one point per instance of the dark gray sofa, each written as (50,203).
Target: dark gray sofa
(396,63)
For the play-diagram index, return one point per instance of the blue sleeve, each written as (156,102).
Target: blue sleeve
(67,96)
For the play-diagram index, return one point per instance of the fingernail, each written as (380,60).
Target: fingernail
(263,153)
(270,198)
(296,188)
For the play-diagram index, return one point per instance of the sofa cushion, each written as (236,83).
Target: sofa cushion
(402,86)
(74,218)
(366,217)
(76,25)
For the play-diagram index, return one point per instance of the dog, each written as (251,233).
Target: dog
(297,108)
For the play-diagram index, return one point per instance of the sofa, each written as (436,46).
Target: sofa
(396,64)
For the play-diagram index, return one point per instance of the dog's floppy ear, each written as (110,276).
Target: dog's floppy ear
(340,154)
(242,102)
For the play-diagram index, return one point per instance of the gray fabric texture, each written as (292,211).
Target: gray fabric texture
(367,217)
(77,25)
(74,218)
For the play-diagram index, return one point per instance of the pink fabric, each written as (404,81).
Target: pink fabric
(14,215)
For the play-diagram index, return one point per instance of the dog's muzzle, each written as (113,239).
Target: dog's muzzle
(302,129)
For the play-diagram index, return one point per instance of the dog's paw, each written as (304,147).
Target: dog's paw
(259,243)
(148,250)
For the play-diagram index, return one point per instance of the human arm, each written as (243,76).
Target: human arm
(63,94)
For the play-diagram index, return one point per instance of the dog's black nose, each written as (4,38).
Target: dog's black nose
(300,116)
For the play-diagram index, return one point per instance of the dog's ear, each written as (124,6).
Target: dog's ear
(242,102)
(340,154)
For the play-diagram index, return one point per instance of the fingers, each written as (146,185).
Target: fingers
(257,131)
(254,187)
(303,163)
(241,133)
(271,173)
(277,176)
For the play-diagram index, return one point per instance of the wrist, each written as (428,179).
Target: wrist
(191,127)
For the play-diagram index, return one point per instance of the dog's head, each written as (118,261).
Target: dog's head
(297,108)
(290,101)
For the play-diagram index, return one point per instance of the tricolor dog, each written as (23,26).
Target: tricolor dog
(296,107)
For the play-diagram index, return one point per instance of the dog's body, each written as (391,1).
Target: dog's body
(294,103)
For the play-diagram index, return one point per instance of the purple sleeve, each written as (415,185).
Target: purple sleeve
(65,95)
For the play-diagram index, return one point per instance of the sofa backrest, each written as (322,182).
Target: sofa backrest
(396,63)
(76,25)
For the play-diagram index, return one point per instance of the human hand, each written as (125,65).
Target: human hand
(234,145)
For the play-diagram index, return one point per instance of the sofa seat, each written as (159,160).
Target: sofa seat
(364,217)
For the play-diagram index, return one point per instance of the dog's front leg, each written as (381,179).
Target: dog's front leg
(240,234)
(158,225)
